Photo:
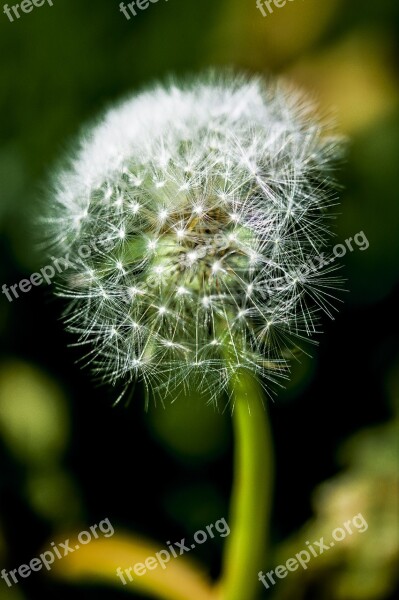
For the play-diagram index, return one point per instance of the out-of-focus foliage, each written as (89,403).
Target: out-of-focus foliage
(59,67)
(34,424)
(243,37)
(98,562)
(33,414)
(189,427)
(360,567)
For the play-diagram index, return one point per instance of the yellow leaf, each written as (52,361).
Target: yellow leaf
(99,561)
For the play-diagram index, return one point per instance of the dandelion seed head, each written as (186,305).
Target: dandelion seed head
(135,207)
(152,244)
(211,194)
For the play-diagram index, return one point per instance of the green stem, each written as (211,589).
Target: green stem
(245,551)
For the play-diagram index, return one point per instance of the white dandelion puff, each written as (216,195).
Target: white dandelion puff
(211,196)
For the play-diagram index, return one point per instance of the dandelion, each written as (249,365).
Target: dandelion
(201,203)
(210,195)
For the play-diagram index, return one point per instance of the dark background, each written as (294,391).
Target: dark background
(166,473)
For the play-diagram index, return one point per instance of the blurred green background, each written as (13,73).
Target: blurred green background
(69,460)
